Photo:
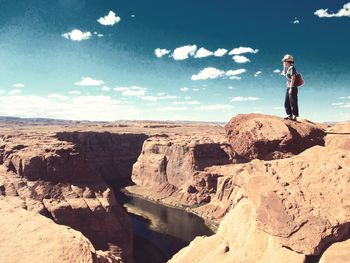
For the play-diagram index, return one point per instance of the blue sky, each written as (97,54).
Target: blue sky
(179,60)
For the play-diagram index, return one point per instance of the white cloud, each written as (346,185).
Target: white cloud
(240,99)
(18,85)
(208,73)
(345,11)
(105,88)
(133,91)
(57,96)
(94,108)
(77,35)
(132,15)
(220,52)
(341,104)
(235,72)
(214,107)
(15,91)
(165,109)
(100,35)
(202,53)
(184,52)
(160,52)
(257,73)
(195,89)
(296,21)
(87,81)
(184,89)
(240,59)
(109,20)
(277,71)
(2,91)
(188,97)
(242,50)
(74,92)
(230,87)
(160,93)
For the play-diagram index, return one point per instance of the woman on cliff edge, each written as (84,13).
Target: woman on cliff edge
(291,99)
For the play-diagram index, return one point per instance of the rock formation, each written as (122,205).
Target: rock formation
(276,187)
(54,179)
(30,237)
(300,203)
(237,240)
(173,167)
(267,137)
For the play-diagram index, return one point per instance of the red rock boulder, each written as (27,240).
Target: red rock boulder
(269,137)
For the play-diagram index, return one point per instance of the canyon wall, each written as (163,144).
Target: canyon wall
(30,237)
(279,188)
(294,199)
(54,178)
(112,155)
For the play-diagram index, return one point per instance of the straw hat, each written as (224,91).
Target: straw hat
(288,58)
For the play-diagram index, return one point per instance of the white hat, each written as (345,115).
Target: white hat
(288,57)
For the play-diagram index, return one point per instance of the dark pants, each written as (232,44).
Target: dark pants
(291,102)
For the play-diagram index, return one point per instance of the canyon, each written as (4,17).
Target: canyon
(275,190)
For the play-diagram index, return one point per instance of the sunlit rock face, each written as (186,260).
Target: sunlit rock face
(54,178)
(268,137)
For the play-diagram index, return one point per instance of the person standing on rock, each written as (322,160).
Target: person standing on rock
(291,99)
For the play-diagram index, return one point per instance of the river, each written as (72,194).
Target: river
(160,231)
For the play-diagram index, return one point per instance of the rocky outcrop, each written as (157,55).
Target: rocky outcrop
(52,178)
(238,240)
(29,237)
(174,167)
(268,137)
(301,203)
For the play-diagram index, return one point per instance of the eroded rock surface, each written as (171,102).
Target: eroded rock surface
(29,237)
(238,240)
(52,178)
(268,137)
(174,167)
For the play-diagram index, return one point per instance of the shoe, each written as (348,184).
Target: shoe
(294,118)
(289,117)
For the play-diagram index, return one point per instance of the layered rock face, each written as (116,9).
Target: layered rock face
(51,177)
(267,137)
(281,210)
(173,166)
(27,234)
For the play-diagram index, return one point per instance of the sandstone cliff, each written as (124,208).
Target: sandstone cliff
(289,205)
(300,203)
(53,178)
(30,237)
(172,166)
